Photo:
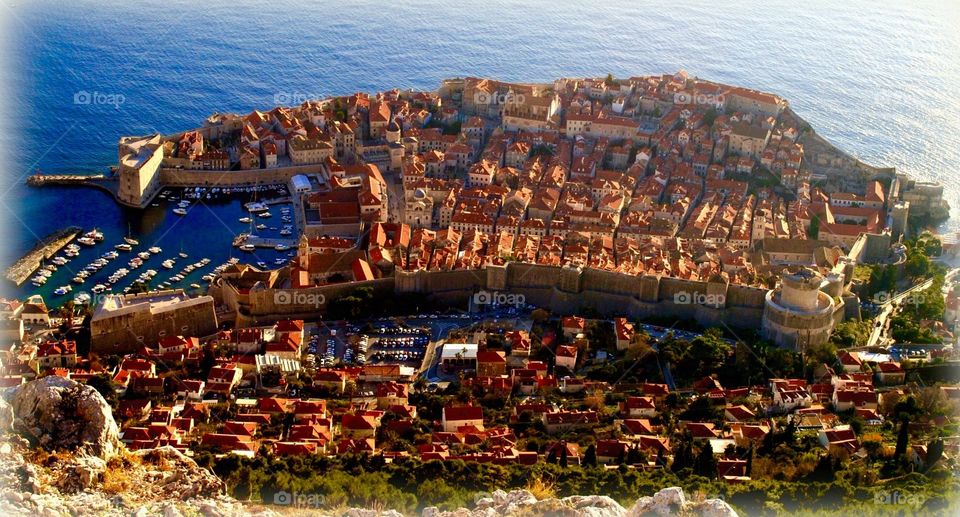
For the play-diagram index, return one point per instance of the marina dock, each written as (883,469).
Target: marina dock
(21,270)
(262,242)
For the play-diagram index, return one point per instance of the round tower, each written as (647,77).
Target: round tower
(393,132)
(800,290)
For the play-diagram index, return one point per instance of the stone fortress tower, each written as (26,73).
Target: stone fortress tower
(803,310)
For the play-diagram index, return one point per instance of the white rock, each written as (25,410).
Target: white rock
(672,496)
(715,508)
(60,413)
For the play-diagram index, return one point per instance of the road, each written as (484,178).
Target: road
(887,309)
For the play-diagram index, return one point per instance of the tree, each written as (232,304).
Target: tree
(673,350)
(903,437)
(708,351)
(813,232)
(934,452)
(590,456)
(749,467)
(563,456)
(684,456)
(706,465)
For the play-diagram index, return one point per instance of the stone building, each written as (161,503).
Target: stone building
(801,312)
(124,323)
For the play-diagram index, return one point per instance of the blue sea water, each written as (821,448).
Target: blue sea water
(880,79)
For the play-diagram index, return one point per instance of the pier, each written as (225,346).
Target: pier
(106,182)
(21,270)
(262,242)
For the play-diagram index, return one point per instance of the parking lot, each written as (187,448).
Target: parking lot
(395,344)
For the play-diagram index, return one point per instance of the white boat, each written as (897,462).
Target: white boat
(131,241)
(123,247)
(154,249)
(182,255)
(99,288)
(86,241)
(78,280)
(168,263)
(144,255)
(245,220)
(265,215)
(179,211)
(281,247)
(261,227)
(81,298)
(94,234)
(60,261)
(60,291)
(255,206)
(247,247)
(195,286)
(262,265)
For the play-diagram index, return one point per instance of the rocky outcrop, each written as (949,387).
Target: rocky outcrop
(59,414)
(60,454)
(669,501)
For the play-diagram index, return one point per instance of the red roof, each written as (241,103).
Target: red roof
(461,413)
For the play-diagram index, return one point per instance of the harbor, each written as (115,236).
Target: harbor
(123,261)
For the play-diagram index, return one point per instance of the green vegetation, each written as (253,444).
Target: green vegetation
(851,333)
(794,477)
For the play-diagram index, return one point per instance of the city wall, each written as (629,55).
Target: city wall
(562,290)
(172,177)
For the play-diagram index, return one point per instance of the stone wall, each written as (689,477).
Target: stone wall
(562,290)
(127,332)
(170,177)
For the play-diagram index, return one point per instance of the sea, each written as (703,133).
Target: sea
(879,79)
